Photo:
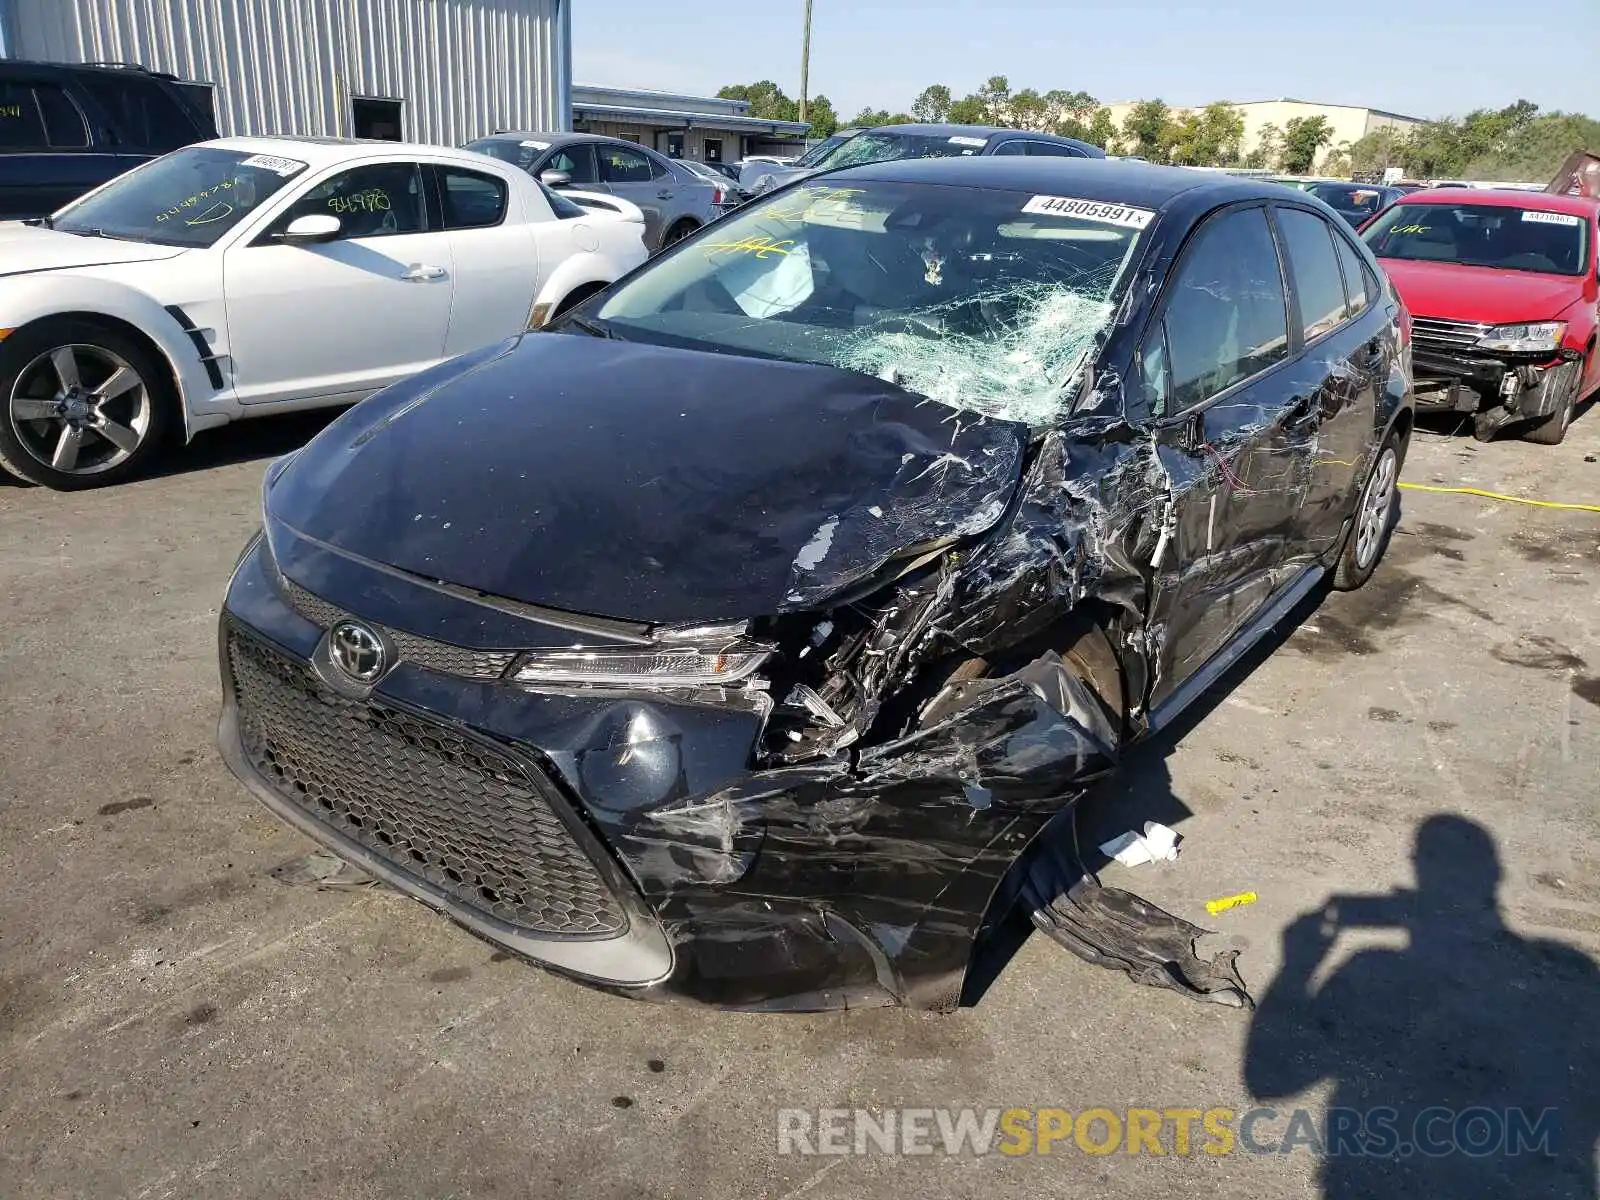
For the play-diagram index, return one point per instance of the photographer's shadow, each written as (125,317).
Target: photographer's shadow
(1480,1042)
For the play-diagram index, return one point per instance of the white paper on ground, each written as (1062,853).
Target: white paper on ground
(1159,844)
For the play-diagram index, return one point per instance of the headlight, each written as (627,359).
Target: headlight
(1542,337)
(711,656)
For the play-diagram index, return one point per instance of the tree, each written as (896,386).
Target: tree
(1302,138)
(969,110)
(1374,153)
(1268,150)
(766,99)
(869,117)
(1102,130)
(996,97)
(824,120)
(1146,128)
(933,105)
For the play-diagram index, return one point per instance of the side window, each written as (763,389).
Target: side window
(375,201)
(1051,150)
(577,161)
(20,125)
(620,165)
(1360,288)
(63,123)
(1014,148)
(1224,312)
(145,116)
(1314,264)
(658,168)
(471,200)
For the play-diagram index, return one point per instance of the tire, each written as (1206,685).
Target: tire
(82,405)
(1373,522)
(1552,430)
(677,233)
(576,297)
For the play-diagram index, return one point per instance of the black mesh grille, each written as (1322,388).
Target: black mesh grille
(438,805)
(424,652)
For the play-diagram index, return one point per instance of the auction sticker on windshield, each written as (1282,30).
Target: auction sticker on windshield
(1550,218)
(1090,210)
(279,166)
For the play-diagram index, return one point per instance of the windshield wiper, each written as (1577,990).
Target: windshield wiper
(40,222)
(592,327)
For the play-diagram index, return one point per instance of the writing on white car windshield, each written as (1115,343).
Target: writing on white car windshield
(984,299)
(188,198)
(1483,235)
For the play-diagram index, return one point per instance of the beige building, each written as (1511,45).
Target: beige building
(1349,123)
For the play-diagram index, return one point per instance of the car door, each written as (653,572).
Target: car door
(1218,370)
(629,173)
(497,267)
(1345,347)
(342,318)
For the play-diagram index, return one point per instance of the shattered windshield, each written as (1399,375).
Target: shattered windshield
(884,147)
(822,149)
(1483,235)
(986,300)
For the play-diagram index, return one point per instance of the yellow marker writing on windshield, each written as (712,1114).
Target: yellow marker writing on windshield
(760,247)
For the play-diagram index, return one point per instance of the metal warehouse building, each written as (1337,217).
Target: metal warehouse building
(442,71)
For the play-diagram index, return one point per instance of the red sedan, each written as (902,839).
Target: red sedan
(1502,287)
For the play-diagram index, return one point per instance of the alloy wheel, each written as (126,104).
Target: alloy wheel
(1376,502)
(80,409)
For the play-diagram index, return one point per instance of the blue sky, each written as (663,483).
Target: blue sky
(1425,58)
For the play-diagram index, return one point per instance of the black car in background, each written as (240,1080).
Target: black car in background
(66,129)
(889,143)
(737,638)
(1357,203)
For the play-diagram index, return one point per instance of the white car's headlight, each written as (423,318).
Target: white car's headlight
(711,656)
(1539,337)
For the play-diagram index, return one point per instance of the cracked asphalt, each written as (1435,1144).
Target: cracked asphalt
(175,1022)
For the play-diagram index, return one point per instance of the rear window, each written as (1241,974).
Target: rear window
(146,116)
(1367,201)
(1483,235)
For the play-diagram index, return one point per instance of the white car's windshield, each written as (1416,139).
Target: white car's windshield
(188,198)
(987,300)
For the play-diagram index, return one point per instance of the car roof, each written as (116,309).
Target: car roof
(1139,184)
(322,151)
(1580,206)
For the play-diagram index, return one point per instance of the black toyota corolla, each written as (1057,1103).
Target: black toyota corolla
(734,639)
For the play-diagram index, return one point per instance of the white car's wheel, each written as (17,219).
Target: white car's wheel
(85,405)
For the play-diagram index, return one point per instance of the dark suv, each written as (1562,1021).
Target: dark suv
(66,129)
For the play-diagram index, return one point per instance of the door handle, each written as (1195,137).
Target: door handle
(422,273)
(663,195)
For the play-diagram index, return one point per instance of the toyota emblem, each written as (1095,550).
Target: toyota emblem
(358,651)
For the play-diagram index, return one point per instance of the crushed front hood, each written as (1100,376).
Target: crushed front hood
(25,248)
(647,483)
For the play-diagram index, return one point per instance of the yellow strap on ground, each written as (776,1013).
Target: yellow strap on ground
(1460,491)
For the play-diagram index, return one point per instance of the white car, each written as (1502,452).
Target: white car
(254,275)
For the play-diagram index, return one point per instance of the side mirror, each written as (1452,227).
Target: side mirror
(315,227)
(555,179)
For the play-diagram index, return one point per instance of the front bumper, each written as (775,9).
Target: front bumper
(1454,378)
(664,866)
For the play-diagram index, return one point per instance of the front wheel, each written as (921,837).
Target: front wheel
(1552,430)
(84,405)
(1374,519)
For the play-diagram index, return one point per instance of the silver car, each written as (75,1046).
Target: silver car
(675,200)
